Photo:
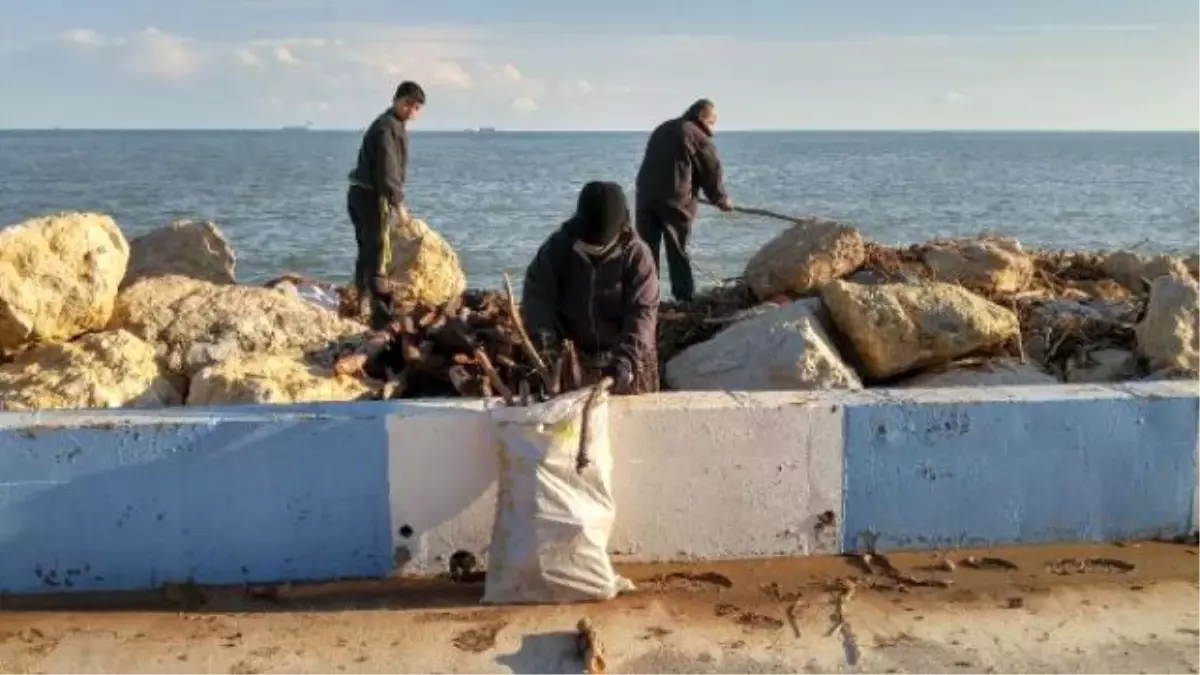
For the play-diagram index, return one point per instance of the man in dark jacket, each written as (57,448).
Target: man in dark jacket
(376,198)
(593,282)
(680,161)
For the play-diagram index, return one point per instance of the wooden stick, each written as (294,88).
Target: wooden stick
(484,362)
(557,374)
(582,461)
(526,343)
(572,366)
(587,644)
(760,212)
(1020,338)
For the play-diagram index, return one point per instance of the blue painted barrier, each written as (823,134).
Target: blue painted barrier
(112,500)
(136,501)
(922,473)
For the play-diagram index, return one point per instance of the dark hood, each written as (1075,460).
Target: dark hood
(601,215)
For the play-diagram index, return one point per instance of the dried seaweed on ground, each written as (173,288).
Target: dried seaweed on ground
(683,324)
(893,264)
(1058,332)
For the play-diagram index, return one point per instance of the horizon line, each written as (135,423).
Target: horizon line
(496,130)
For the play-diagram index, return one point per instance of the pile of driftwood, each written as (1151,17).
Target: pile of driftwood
(477,347)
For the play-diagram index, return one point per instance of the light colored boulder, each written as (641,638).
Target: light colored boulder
(805,257)
(59,276)
(196,324)
(898,328)
(272,379)
(984,373)
(1133,270)
(1167,335)
(98,370)
(188,248)
(1103,365)
(1192,262)
(425,269)
(986,264)
(776,348)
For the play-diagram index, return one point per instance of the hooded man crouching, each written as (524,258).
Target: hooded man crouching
(594,282)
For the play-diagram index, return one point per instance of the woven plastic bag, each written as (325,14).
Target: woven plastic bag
(554,512)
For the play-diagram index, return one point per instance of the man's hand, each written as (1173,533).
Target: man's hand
(623,378)
(725,204)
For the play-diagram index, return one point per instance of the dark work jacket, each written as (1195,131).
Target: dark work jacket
(604,305)
(680,161)
(383,158)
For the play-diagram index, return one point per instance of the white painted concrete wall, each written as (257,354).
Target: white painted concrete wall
(321,491)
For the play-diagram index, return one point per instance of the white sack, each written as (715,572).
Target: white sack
(550,539)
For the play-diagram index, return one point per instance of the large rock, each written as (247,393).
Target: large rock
(1192,262)
(989,373)
(189,248)
(1167,335)
(1134,270)
(196,324)
(898,328)
(805,257)
(987,264)
(778,348)
(271,379)
(59,276)
(425,269)
(98,370)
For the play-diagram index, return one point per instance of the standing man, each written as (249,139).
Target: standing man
(375,199)
(680,161)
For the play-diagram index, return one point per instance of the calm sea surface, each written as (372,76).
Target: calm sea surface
(280,196)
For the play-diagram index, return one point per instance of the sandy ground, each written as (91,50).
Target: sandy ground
(1133,609)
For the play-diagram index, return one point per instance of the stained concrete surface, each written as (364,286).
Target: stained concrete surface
(1055,612)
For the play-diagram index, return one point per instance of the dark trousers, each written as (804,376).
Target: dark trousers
(659,224)
(372,219)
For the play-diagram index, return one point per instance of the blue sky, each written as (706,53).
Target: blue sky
(621,64)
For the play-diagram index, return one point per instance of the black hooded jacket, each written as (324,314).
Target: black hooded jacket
(605,301)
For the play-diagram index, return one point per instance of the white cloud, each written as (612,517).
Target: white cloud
(953,97)
(448,73)
(511,72)
(248,58)
(576,87)
(84,37)
(158,54)
(523,105)
(285,56)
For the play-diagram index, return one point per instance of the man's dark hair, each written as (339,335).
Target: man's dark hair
(697,109)
(410,90)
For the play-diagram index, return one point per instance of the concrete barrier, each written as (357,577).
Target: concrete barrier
(124,500)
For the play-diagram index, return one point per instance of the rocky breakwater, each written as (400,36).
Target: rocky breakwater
(820,308)
(89,319)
